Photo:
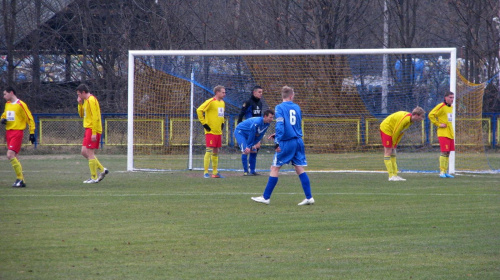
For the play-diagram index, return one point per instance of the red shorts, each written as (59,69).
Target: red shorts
(213,141)
(87,139)
(14,139)
(447,144)
(387,140)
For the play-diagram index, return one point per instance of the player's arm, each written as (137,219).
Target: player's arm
(80,107)
(279,126)
(433,115)
(3,118)
(95,112)
(251,136)
(30,120)
(404,123)
(244,109)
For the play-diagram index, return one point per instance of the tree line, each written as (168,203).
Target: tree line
(105,30)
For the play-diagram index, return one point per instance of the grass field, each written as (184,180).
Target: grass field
(177,225)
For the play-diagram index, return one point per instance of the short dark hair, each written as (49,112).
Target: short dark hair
(83,88)
(9,89)
(448,93)
(269,111)
(256,88)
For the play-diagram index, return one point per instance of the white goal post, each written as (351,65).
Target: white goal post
(132,86)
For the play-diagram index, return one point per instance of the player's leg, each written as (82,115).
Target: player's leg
(92,164)
(394,163)
(388,162)
(252,160)
(208,154)
(299,161)
(271,184)
(14,139)
(446,144)
(244,157)
(215,161)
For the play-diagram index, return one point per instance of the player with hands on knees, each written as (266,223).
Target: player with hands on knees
(248,135)
(392,130)
(15,118)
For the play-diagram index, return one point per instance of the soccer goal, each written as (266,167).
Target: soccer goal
(344,95)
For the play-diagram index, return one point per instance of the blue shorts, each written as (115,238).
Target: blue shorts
(291,151)
(242,142)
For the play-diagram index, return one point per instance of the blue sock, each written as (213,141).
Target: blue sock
(244,162)
(253,161)
(271,183)
(306,185)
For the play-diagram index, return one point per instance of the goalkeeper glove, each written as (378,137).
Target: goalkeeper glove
(207,127)
(222,126)
(32,138)
(4,121)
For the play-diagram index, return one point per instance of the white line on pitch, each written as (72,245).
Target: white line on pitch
(235,194)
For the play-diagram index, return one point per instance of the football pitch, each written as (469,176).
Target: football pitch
(178,225)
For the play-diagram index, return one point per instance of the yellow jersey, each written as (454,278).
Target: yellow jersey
(90,111)
(18,116)
(443,113)
(395,125)
(211,112)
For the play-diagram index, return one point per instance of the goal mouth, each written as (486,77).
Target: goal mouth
(344,95)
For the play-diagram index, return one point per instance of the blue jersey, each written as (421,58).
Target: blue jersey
(252,130)
(288,121)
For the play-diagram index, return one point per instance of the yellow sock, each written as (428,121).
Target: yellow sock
(446,164)
(93,169)
(99,165)
(443,165)
(394,166)
(17,168)
(388,165)
(206,159)
(215,163)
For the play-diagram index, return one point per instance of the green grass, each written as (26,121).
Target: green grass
(177,225)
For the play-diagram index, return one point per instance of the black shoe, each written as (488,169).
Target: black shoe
(254,174)
(19,184)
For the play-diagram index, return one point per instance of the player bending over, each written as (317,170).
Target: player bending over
(248,135)
(392,130)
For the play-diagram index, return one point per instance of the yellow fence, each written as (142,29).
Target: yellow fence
(323,133)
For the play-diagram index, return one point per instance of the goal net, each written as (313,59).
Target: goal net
(344,95)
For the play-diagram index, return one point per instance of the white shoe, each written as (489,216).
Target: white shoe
(101,176)
(91,181)
(400,178)
(261,199)
(306,201)
(393,178)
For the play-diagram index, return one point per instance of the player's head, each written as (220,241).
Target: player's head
(257,92)
(418,114)
(449,96)
(9,93)
(83,91)
(219,92)
(83,88)
(268,115)
(287,93)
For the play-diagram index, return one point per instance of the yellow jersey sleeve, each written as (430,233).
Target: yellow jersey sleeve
(443,114)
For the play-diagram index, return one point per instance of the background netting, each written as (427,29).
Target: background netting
(343,99)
